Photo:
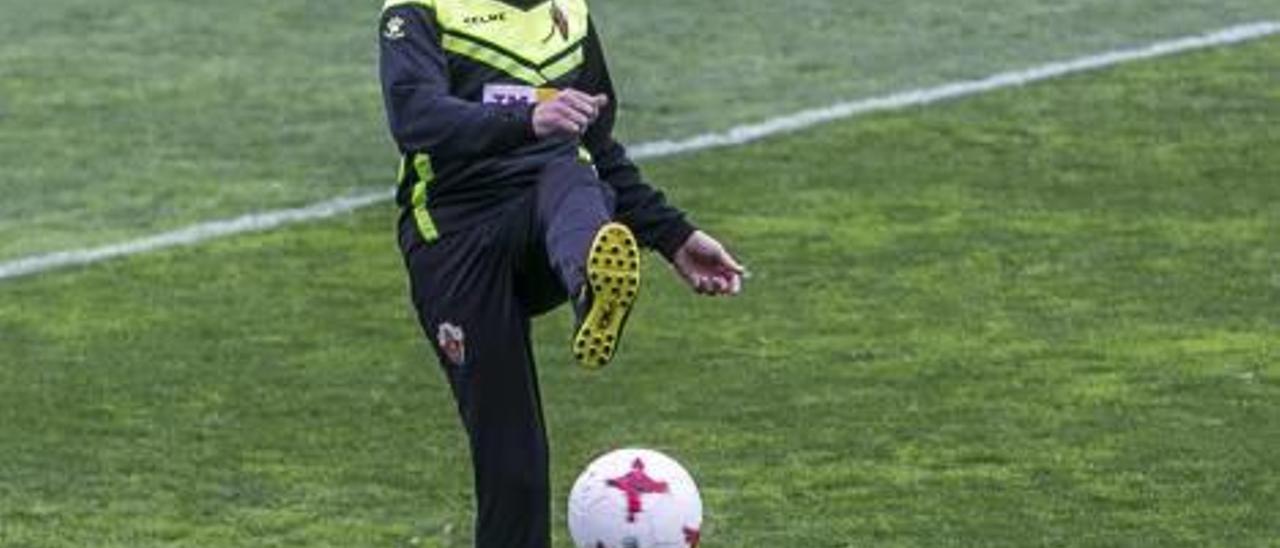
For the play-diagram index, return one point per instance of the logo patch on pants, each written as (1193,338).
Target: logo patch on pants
(453,343)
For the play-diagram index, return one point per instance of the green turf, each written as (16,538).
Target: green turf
(1043,317)
(119,119)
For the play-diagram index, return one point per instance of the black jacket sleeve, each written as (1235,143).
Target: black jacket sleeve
(422,114)
(657,224)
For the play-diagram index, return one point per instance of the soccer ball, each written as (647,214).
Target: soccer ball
(635,498)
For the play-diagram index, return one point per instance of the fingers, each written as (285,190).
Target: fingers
(714,253)
(714,284)
(734,273)
(596,102)
(558,119)
(569,114)
(698,281)
(708,268)
(706,285)
(731,263)
(720,259)
(723,285)
(575,117)
(719,286)
(583,104)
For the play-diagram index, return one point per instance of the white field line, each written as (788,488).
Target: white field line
(190,235)
(739,135)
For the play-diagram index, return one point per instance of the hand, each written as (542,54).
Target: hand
(707,267)
(569,114)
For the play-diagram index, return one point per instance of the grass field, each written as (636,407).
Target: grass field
(182,112)
(1041,317)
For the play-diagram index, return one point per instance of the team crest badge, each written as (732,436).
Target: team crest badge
(394,29)
(559,23)
(453,343)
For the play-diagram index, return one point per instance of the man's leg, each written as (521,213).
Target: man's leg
(463,289)
(572,207)
(596,260)
(508,442)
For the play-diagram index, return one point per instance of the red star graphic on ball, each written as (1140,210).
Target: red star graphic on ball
(636,484)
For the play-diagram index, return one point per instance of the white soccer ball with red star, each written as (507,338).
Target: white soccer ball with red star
(635,498)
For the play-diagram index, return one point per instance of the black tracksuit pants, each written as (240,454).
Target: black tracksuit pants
(475,292)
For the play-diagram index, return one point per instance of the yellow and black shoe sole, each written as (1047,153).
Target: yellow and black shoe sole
(613,276)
